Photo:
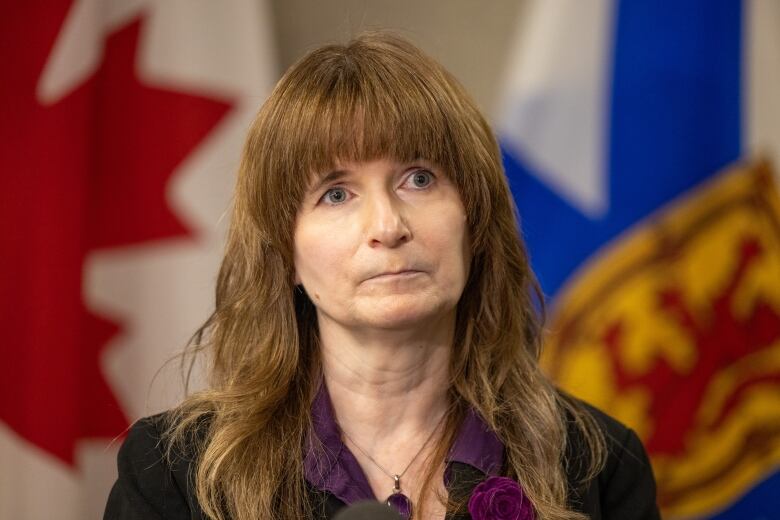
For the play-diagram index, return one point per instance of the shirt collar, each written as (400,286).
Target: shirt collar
(477,445)
(330,466)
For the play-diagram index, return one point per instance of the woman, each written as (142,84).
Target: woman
(375,333)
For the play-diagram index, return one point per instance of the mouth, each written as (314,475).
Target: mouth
(394,275)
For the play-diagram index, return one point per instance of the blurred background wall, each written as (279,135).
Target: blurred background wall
(641,143)
(472,39)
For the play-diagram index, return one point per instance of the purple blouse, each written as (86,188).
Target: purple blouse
(333,468)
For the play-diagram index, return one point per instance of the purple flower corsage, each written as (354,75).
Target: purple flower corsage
(500,498)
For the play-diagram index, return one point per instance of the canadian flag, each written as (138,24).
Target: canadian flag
(121,123)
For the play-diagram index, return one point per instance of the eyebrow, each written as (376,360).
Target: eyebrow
(330,177)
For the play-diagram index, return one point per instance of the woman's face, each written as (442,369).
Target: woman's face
(382,245)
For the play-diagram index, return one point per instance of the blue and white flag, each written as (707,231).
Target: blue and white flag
(639,139)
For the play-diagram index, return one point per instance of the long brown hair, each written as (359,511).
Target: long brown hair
(376,97)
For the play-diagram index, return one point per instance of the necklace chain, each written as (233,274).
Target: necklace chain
(396,476)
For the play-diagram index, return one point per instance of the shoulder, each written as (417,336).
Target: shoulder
(144,438)
(153,482)
(625,486)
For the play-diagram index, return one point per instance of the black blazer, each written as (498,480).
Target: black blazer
(150,489)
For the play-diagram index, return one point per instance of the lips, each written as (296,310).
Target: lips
(394,274)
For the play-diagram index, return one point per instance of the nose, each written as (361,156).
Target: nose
(385,222)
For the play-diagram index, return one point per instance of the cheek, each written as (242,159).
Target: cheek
(461,257)
(321,257)
(448,235)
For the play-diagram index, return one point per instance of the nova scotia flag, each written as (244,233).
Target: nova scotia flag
(640,140)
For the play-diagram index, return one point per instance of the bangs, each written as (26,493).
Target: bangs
(365,118)
(356,110)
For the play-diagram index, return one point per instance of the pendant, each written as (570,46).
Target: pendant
(399,501)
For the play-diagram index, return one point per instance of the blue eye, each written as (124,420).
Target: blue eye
(335,196)
(421,178)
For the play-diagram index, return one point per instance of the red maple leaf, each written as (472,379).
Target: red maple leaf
(88,172)
(721,339)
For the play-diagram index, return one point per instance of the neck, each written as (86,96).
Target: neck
(387,383)
(388,390)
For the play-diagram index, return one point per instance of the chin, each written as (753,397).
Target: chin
(403,313)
